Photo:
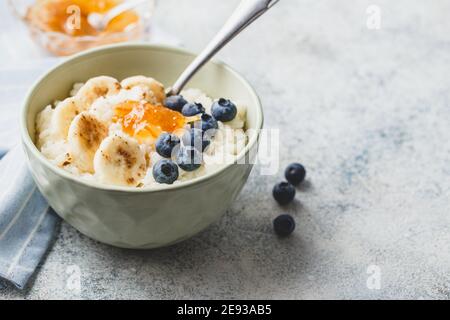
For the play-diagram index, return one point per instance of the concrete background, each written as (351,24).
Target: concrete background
(367,112)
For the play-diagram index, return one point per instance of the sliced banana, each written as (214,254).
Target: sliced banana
(62,117)
(120,161)
(95,88)
(86,133)
(155,88)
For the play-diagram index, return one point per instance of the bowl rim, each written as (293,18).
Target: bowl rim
(30,145)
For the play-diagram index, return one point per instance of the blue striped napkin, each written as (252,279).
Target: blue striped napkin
(27,224)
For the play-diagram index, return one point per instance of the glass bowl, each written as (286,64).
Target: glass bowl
(62,44)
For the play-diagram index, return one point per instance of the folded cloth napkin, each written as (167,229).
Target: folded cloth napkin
(27,224)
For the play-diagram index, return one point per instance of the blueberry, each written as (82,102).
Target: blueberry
(194,137)
(192,109)
(283,192)
(188,158)
(175,103)
(209,123)
(165,171)
(284,225)
(295,173)
(224,110)
(165,144)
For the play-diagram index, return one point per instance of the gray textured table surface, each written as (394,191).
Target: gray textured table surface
(367,111)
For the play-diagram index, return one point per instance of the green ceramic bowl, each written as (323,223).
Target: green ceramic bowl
(139,218)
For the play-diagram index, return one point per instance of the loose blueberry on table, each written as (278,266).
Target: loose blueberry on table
(284,225)
(192,109)
(165,171)
(224,110)
(283,192)
(165,144)
(175,103)
(295,173)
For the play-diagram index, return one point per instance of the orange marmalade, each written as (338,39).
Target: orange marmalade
(70,16)
(146,121)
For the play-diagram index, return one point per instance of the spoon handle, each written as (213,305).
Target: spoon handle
(246,13)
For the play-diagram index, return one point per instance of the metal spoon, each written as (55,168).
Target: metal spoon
(246,13)
(100,21)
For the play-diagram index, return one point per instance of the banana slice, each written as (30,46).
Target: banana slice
(62,117)
(120,161)
(155,88)
(95,88)
(86,133)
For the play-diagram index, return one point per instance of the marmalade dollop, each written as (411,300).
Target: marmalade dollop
(145,121)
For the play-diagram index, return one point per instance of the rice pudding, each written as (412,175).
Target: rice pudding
(130,134)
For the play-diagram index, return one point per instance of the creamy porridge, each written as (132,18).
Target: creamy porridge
(129,134)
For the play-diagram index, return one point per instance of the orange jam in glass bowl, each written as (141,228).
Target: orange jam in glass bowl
(70,16)
(146,121)
(62,27)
